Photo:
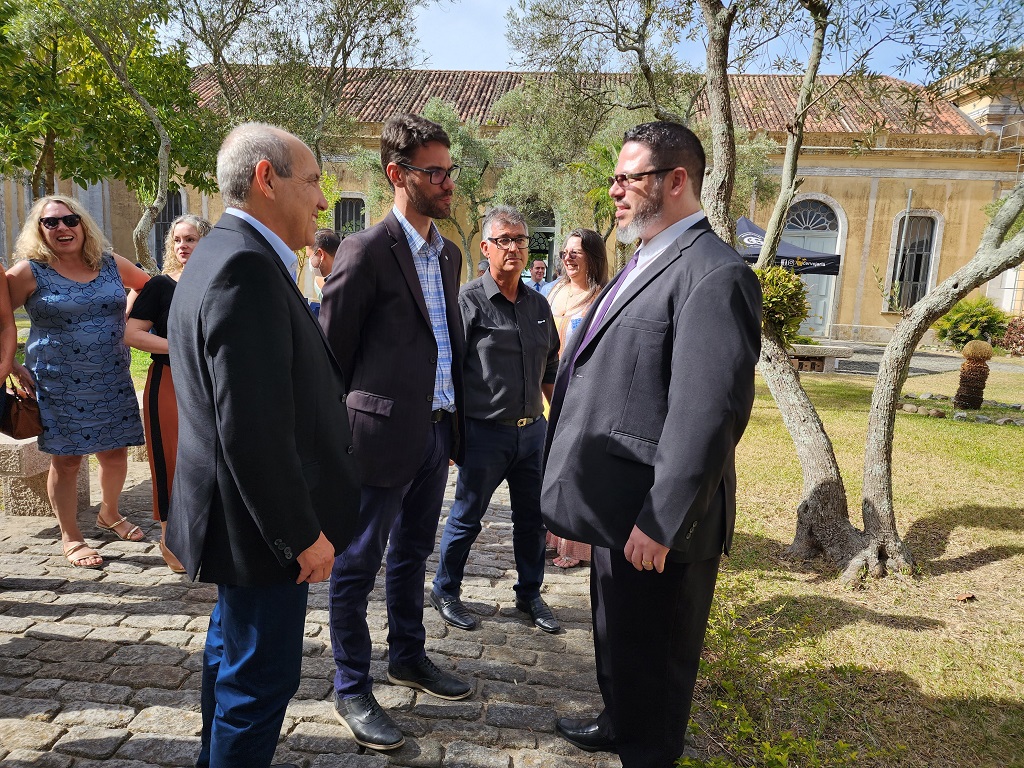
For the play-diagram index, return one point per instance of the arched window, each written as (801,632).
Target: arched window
(811,216)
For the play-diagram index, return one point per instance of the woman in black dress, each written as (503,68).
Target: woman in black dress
(147,330)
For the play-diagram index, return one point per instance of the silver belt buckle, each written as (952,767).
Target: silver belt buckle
(522,422)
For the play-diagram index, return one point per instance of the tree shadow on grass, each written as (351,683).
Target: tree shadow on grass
(807,617)
(928,537)
(830,711)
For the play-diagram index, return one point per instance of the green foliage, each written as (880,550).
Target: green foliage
(785,303)
(62,110)
(1012,339)
(993,208)
(971,319)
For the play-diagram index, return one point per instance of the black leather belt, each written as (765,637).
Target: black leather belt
(516,422)
(440,413)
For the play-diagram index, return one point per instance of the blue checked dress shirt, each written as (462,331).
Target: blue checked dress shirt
(426,256)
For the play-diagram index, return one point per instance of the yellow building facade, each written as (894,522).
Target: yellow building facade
(874,178)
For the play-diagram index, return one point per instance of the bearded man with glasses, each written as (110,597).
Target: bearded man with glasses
(653,394)
(390,311)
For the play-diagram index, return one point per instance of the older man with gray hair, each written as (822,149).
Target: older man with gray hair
(265,487)
(511,359)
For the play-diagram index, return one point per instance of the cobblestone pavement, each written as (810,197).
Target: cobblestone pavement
(102,667)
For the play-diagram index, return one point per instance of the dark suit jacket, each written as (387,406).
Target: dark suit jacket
(375,317)
(264,453)
(645,433)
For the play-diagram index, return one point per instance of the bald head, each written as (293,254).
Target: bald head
(243,148)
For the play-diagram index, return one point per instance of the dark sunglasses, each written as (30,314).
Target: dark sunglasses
(70,221)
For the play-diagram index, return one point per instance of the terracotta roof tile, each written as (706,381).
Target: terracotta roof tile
(760,102)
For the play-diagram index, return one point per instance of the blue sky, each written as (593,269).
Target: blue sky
(470,34)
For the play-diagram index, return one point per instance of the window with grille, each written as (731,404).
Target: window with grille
(349,215)
(913,261)
(173,208)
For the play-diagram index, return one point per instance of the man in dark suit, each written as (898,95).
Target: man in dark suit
(652,396)
(390,310)
(265,487)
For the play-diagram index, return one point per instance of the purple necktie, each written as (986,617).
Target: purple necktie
(605,306)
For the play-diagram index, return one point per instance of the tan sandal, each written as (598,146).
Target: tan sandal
(77,561)
(112,528)
(565,562)
(172,562)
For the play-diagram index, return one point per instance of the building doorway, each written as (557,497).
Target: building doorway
(813,225)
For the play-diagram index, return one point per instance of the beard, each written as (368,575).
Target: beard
(645,212)
(426,204)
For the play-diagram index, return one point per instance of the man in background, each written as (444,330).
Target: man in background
(511,361)
(537,272)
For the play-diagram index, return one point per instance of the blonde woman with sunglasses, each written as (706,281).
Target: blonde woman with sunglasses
(75,291)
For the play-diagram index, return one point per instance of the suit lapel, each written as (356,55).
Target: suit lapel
(269,252)
(635,288)
(403,255)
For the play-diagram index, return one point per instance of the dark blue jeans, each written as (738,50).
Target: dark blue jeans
(251,670)
(496,452)
(405,520)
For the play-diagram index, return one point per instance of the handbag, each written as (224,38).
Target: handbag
(20,413)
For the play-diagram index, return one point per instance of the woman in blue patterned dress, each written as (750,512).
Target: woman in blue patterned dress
(74,289)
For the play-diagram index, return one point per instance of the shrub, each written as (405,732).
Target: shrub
(785,303)
(969,320)
(1013,339)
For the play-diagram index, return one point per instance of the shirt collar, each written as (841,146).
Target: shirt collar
(416,241)
(658,244)
(284,253)
(491,288)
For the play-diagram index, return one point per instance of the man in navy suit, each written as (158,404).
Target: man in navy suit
(391,312)
(265,488)
(652,396)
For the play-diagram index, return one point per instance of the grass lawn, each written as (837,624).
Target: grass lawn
(803,671)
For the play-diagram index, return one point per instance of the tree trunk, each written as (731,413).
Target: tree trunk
(4,263)
(994,256)
(823,522)
(717,192)
(149,213)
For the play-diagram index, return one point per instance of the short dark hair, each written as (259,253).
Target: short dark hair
(597,255)
(672,146)
(404,134)
(326,240)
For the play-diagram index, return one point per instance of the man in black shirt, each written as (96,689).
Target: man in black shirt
(511,360)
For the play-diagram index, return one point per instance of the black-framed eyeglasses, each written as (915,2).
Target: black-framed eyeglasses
(71,221)
(625,179)
(437,175)
(507,242)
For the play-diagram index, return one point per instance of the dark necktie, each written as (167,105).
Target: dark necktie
(605,306)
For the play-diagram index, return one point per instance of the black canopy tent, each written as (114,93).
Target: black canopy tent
(799,260)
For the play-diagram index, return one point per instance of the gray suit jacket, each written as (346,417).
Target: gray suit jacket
(264,459)
(375,316)
(645,432)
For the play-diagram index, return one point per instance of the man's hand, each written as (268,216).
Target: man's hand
(316,562)
(644,552)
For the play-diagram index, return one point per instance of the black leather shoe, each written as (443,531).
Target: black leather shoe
(452,611)
(585,734)
(538,610)
(369,725)
(425,675)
